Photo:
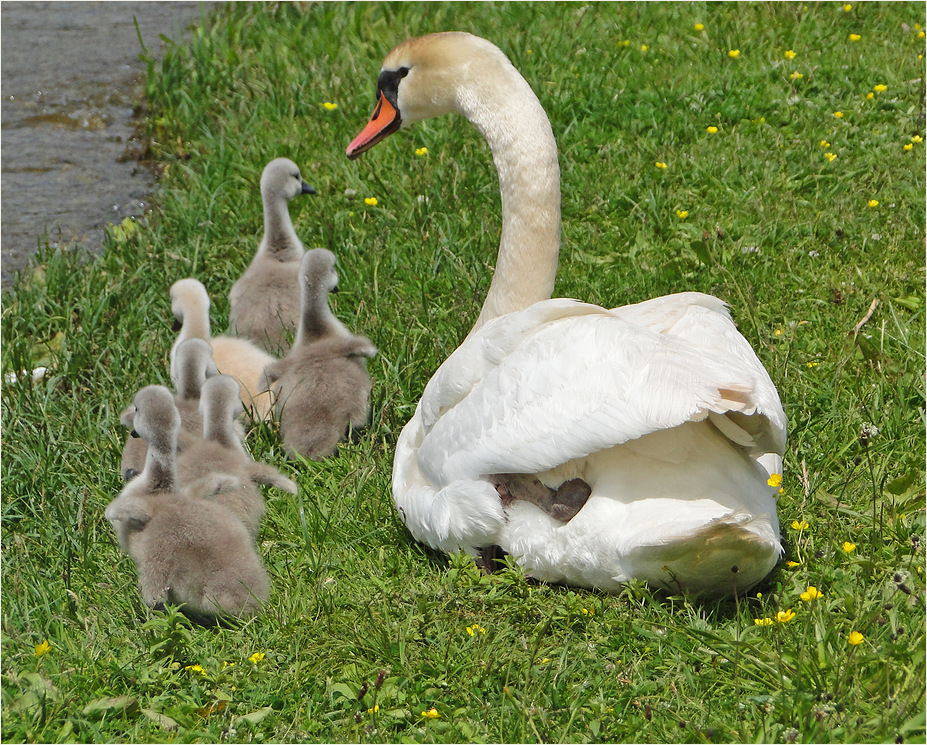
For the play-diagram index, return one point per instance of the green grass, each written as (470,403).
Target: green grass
(774,227)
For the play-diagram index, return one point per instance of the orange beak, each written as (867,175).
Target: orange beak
(382,124)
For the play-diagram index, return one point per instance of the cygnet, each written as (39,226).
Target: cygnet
(321,388)
(218,468)
(265,300)
(188,552)
(194,364)
(236,357)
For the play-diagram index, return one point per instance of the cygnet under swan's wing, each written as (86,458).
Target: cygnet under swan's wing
(561,380)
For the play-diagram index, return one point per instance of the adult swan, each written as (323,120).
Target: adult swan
(595,446)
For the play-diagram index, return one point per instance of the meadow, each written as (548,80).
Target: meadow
(771,154)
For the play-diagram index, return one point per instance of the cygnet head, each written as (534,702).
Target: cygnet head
(426,77)
(220,404)
(281,179)
(189,299)
(156,419)
(317,273)
(194,365)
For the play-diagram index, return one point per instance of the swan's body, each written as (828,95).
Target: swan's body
(189,552)
(238,358)
(264,302)
(662,408)
(321,388)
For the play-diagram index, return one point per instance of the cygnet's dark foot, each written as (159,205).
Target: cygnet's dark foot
(490,559)
(562,504)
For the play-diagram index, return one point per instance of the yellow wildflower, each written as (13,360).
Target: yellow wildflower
(774,480)
(847,8)
(42,649)
(824,143)
(544,660)
(712,130)
(812,593)
(471,630)
(880,88)
(855,638)
(195,669)
(699,27)
(838,114)
(734,53)
(682,214)
(371,201)
(870,96)
(789,54)
(328,106)
(644,47)
(855,37)
(659,164)
(909,146)
(799,525)
(588,611)
(421,151)
(374,709)
(777,332)
(793,564)
(917,138)
(763,622)
(848,547)
(257,657)
(920,34)
(873,202)
(626,43)
(431,713)
(796,75)
(784,616)
(830,156)
(530,51)
(811,364)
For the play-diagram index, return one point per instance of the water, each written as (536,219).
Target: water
(70,79)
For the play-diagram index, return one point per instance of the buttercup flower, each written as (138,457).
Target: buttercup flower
(917,138)
(371,201)
(880,88)
(870,96)
(784,616)
(644,47)
(195,669)
(799,525)
(847,8)
(682,214)
(431,713)
(873,202)
(812,593)
(42,649)
(824,143)
(421,151)
(777,332)
(328,106)
(658,164)
(588,611)
(374,709)
(796,75)
(774,480)
(920,34)
(811,364)
(848,547)
(472,630)
(793,564)
(909,146)
(855,638)
(734,53)
(838,114)
(789,54)
(830,156)
(712,130)
(855,37)
(763,622)
(699,27)
(257,657)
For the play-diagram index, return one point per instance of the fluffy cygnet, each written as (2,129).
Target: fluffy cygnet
(265,300)
(321,388)
(218,468)
(236,357)
(194,364)
(188,552)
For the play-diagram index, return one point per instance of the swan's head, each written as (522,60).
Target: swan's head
(155,417)
(220,400)
(195,365)
(426,77)
(189,299)
(281,179)
(317,272)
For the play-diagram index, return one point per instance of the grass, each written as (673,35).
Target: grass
(366,630)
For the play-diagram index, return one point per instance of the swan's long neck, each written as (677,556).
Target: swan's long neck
(508,114)
(280,240)
(317,318)
(160,474)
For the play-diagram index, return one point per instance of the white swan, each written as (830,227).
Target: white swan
(662,408)
(264,302)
